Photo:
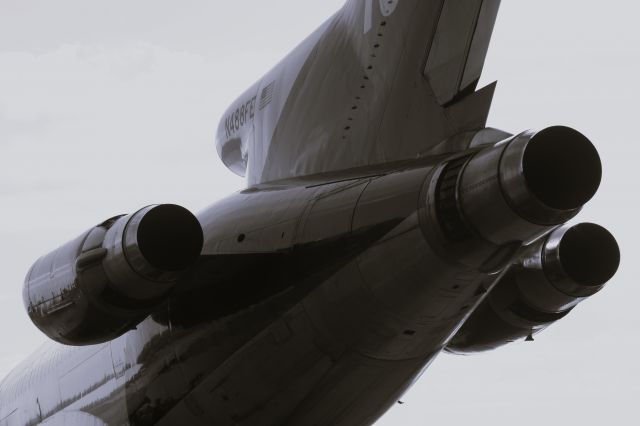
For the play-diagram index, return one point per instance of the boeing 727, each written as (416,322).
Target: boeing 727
(382,224)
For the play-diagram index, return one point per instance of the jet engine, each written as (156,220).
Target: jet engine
(103,283)
(550,277)
(497,198)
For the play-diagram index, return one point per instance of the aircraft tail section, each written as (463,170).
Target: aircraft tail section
(459,47)
(380,81)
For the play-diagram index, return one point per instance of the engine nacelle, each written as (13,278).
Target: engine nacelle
(102,284)
(511,193)
(552,276)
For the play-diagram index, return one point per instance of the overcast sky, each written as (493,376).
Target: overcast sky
(106,106)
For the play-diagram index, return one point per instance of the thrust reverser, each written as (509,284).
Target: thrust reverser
(514,193)
(103,283)
(548,280)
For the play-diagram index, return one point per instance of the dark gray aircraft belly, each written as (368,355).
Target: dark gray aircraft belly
(357,334)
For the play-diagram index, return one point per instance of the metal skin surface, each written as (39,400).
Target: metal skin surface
(382,224)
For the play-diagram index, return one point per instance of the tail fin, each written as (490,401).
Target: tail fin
(459,47)
(382,80)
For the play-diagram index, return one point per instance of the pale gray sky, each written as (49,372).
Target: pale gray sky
(108,106)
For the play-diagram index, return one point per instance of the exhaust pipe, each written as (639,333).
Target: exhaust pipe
(149,250)
(571,264)
(550,278)
(521,188)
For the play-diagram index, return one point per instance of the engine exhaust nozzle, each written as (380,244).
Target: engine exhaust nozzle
(559,271)
(550,278)
(580,259)
(519,189)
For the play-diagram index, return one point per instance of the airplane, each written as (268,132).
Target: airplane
(382,224)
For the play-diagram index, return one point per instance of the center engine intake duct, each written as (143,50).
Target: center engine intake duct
(103,283)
